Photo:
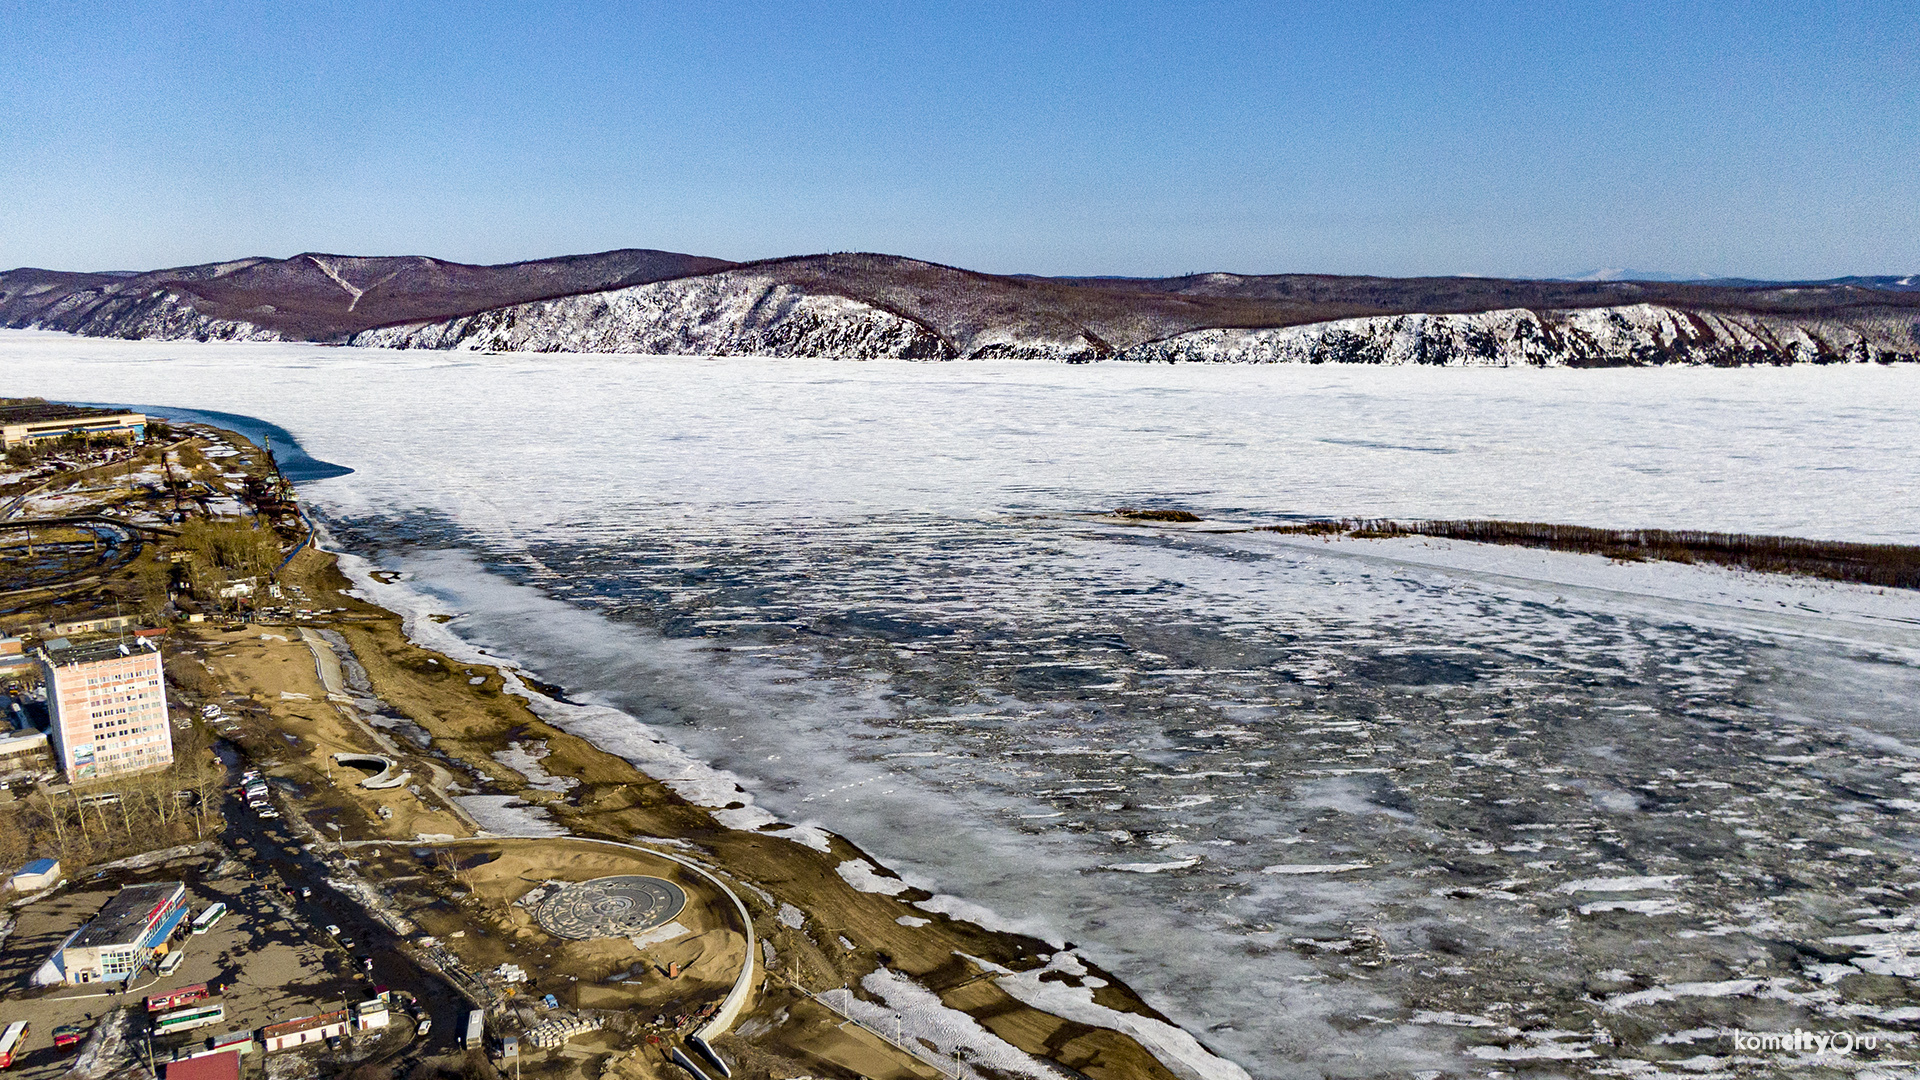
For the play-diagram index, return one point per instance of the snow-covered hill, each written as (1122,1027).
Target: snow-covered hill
(744,313)
(730,314)
(867,306)
(1636,335)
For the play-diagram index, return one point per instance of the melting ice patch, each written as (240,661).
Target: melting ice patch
(1623,884)
(1665,905)
(1153,867)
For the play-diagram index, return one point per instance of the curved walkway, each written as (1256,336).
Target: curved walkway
(326,664)
(384,778)
(738,997)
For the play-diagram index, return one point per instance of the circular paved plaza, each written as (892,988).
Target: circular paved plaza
(610,907)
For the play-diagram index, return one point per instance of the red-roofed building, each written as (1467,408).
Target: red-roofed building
(208,1067)
(307,1029)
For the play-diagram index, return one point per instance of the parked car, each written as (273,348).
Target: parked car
(333,1042)
(306,892)
(269,813)
(333,930)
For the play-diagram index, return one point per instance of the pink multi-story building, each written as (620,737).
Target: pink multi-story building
(107,707)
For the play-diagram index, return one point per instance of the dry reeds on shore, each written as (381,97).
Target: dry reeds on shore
(1138,514)
(1890,565)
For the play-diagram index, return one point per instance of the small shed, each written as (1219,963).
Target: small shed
(370,1014)
(36,875)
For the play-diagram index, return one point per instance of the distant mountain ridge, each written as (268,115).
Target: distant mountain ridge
(1890,282)
(859,305)
(315,296)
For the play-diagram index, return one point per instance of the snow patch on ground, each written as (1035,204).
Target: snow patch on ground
(919,1014)
(506,815)
(860,874)
(524,758)
(1178,1051)
(109,1048)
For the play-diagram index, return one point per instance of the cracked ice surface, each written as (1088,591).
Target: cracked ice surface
(1408,806)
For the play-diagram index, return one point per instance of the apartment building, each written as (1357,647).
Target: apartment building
(106,707)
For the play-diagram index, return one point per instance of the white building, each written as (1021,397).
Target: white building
(23,423)
(106,707)
(307,1029)
(36,875)
(119,940)
(371,1014)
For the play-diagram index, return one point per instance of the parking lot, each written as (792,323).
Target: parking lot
(271,960)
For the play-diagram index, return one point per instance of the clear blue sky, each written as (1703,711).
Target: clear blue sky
(1771,140)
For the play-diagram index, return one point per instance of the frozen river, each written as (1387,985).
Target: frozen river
(1360,808)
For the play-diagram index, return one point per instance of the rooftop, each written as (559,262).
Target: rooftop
(92,651)
(207,1067)
(304,1023)
(125,917)
(41,412)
